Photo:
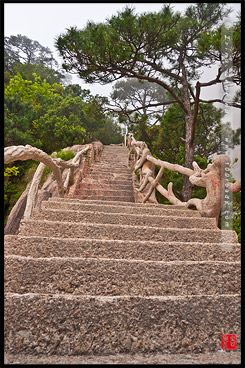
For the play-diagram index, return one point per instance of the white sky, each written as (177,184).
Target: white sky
(43,22)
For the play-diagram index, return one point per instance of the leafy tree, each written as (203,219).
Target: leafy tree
(164,48)
(168,139)
(110,133)
(21,49)
(75,90)
(138,95)
(38,92)
(62,125)
(18,118)
(28,72)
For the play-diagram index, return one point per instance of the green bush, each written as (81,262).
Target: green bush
(65,155)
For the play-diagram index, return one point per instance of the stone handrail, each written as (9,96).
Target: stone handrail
(23,153)
(212,178)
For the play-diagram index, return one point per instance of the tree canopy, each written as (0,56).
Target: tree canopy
(165,48)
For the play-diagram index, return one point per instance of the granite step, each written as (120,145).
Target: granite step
(218,357)
(173,221)
(96,276)
(104,171)
(109,168)
(109,164)
(108,192)
(119,208)
(101,186)
(105,197)
(119,203)
(111,174)
(124,232)
(69,325)
(39,246)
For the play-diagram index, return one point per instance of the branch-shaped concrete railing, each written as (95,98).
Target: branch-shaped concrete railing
(212,178)
(27,152)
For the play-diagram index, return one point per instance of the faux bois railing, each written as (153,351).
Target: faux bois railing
(14,153)
(213,178)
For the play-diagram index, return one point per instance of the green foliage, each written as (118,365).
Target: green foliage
(21,49)
(39,93)
(110,133)
(28,72)
(65,155)
(9,171)
(209,133)
(62,124)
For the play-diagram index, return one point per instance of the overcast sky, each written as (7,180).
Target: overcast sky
(43,22)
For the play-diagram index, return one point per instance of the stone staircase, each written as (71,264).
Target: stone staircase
(109,179)
(110,277)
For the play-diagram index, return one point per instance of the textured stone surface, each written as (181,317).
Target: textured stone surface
(104,197)
(122,232)
(120,207)
(220,357)
(120,203)
(128,219)
(120,277)
(35,246)
(73,325)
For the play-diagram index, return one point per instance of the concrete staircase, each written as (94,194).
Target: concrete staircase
(108,277)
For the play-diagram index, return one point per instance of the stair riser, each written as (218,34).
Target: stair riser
(119,249)
(102,179)
(97,175)
(123,232)
(110,277)
(107,186)
(110,165)
(111,178)
(81,195)
(118,203)
(119,209)
(102,170)
(101,191)
(122,219)
(75,326)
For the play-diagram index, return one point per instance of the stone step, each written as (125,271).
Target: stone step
(119,208)
(125,219)
(99,178)
(109,164)
(36,246)
(110,168)
(218,357)
(80,195)
(104,170)
(108,192)
(124,232)
(114,157)
(120,203)
(102,186)
(105,180)
(96,276)
(69,325)
(109,174)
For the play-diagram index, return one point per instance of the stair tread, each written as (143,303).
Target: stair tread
(113,248)
(163,221)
